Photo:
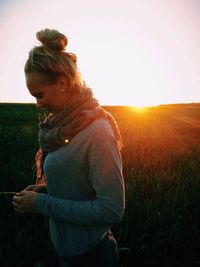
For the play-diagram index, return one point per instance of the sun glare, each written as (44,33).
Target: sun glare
(139,109)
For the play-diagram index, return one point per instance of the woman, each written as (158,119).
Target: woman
(82,170)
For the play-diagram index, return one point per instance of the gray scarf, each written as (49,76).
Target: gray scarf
(57,131)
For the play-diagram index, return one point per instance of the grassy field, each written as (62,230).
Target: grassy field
(161,157)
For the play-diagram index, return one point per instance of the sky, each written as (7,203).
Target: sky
(130,52)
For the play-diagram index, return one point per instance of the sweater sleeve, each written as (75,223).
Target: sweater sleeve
(105,175)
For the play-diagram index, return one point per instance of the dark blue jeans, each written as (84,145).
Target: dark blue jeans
(103,255)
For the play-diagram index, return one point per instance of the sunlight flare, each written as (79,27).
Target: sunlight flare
(139,109)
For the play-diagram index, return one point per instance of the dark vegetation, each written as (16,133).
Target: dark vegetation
(161,156)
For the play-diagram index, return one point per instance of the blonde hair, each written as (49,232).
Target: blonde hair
(51,59)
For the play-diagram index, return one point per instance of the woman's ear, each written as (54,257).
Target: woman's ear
(62,83)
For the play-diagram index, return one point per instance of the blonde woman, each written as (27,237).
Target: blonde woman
(82,167)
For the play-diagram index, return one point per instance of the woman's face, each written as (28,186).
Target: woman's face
(51,96)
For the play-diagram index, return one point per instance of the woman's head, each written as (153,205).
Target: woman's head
(52,64)
(51,59)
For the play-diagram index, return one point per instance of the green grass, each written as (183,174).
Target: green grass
(161,160)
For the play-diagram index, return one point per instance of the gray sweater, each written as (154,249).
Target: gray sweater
(85,189)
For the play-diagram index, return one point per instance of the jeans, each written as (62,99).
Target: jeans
(103,255)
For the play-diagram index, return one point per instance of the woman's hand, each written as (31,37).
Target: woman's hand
(37,188)
(25,201)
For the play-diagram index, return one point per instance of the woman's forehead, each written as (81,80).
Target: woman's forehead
(34,79)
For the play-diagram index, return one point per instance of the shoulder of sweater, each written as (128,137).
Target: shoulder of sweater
(100,129)
(100,126)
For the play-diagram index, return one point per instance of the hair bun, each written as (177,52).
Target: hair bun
(52,38)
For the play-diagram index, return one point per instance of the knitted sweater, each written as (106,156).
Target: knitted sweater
(85,189)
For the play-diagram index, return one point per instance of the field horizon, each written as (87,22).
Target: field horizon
(158,105)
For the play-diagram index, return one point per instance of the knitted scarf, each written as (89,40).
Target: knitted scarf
(56,131)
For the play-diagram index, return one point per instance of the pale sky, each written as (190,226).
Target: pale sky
(130,52)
